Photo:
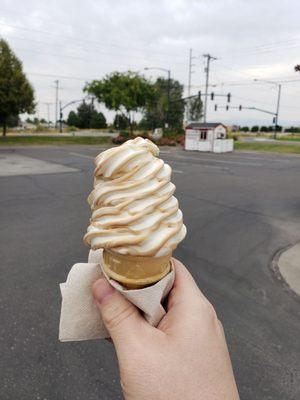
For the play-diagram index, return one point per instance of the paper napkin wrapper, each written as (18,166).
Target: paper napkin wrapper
(80,318)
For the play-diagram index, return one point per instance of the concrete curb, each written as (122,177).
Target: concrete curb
(289,267)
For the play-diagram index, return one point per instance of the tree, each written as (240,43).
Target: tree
(16,93)
(195,108)
(121,121)
(126,92)
(245,129)
(13,121)
(98,120)
(159,110)
(264,129)
(255,128)
(297,68)
(73,119)
(85,112)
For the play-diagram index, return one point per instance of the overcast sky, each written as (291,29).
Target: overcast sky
(77,41)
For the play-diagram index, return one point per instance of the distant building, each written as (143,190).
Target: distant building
(207,136)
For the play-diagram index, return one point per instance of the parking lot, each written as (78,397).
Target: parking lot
(240,210)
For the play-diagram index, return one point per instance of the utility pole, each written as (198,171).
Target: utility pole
(277,110)
(56,101)
(209,58)
(191,65)
(48,111)
(169,90)
(190,71)
(60,117)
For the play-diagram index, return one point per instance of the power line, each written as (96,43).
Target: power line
(117,54)
(265,46)
(106,44)
(191,65)
(261,48)
(60,76)
(102,61)
(56,100)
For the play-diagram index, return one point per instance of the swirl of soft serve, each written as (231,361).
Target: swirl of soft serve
(133,208)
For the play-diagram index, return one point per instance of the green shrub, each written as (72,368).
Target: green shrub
(70,128)
(42,128)
(125,134)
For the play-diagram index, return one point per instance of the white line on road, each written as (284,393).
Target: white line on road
(259,158)
(177,171)
(208,166)
(220,161)
(197,165)
(81,155)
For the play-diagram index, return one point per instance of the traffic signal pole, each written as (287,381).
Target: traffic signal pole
(277,110)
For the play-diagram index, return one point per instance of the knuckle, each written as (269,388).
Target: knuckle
(117,314)
(209,311)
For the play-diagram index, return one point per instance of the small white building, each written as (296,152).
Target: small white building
(207,136)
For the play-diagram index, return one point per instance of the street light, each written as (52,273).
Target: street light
(169,85)
(278,100)
(61,108)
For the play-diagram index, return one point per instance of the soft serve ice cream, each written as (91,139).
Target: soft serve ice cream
(134,211)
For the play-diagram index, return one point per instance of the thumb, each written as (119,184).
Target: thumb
(121,318)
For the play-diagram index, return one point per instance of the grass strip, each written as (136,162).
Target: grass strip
(50,140)
(268,147)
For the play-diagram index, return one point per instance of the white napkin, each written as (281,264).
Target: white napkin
(80,318)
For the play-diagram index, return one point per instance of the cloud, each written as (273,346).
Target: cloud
(86,40)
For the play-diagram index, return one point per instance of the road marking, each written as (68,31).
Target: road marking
(260,158)
(209,166)
(176,171)
(82,155)
(221,161)
(197,165)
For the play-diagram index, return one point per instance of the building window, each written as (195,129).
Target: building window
(203,135)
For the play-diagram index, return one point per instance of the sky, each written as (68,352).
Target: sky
(78,41)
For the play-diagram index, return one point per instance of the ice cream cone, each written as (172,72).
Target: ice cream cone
(135,217)
(135,272)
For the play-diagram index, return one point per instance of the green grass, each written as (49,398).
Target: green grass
(269,147)
(290,138)
(48,140)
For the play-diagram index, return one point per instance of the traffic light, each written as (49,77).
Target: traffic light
(274,120)
(240,107)
(227,108)
(199,95)
(216,107)
(228,97)
(212,95)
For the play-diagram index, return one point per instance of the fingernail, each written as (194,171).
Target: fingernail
(102,290)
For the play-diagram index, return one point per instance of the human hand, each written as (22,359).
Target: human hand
(185,357)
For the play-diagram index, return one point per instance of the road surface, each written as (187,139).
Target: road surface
(240,210)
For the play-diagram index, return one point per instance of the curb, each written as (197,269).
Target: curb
(288,265)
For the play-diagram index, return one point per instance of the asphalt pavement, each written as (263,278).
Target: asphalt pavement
(240,209)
